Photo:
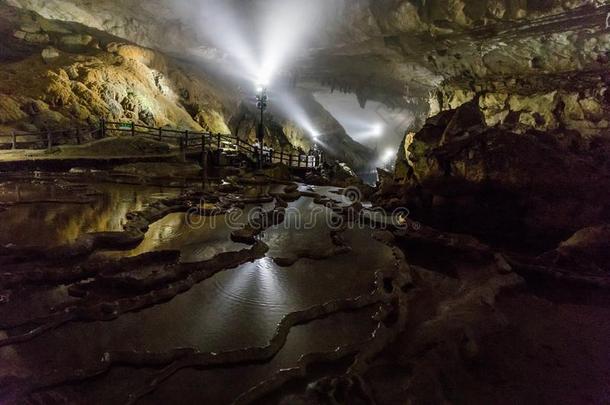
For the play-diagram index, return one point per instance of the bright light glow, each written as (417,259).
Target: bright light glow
(370,131)
(375,126)
(261,38)
(286,29)
(388,155)
(262,82)
(291,107)
(377,130)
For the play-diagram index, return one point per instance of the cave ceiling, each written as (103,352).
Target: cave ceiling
(394,52)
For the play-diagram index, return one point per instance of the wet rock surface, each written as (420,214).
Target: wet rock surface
(466,176)
(485,280)
(393,307)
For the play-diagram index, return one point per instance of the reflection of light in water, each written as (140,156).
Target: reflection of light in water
(197,239)
(55,224)
(253,284)
(163,234)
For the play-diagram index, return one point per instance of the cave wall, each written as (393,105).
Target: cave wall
(517,132)
(531,65)
(585,110)
(60,74)
(151,23)
(536,64)
(55,75)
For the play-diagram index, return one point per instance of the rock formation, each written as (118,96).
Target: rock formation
(59,74)
(511,180)
(484,280)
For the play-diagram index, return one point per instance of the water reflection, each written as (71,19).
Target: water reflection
(209,237)
(54,224)
(257,284)
(236,308)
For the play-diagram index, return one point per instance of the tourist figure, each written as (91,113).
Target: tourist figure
(257,147)
(267,153)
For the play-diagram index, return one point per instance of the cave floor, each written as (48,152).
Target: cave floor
(199,320)
(554,351)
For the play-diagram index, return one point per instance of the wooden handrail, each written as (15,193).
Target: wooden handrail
(186,139)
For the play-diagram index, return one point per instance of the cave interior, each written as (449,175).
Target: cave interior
(305,202)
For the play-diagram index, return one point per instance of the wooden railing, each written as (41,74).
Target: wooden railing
(205,141)
(47,139)
(187,141)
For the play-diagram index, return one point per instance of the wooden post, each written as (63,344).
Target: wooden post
(182,148)
(103,127)
(218,151)
(290,160)
(307,161)
(78,136)
(204,161)
(282,155)
(186,139)
(237,143)
(133,128)
(49,141)
(14,139)
(160,133)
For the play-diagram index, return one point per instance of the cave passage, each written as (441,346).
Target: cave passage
(304,202)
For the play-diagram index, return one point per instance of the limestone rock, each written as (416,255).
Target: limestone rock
(49,119)
(34,107)
(35,38)
(10,110)
(585,255)
(592,109)
(31,27)
(591,241)
(139,54)
(503,180)
(50,53)
(76,40)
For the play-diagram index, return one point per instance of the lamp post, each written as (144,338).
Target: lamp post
(261,104)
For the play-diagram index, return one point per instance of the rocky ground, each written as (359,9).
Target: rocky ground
(487,284)
(445,310)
